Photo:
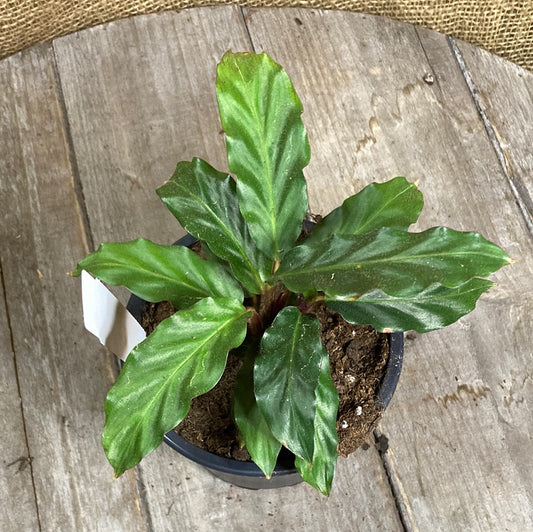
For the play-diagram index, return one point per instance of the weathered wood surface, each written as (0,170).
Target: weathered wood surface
(475,411)
(62,375)
(504,96)
(93,123)
(16,480)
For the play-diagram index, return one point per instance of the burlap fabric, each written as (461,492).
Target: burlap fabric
(504,27)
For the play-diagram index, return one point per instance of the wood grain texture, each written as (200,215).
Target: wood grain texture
(193,499)
(487,404)
(460,424)
(162,111)
(63,375)
(16,482)
(504,94)
(136,107)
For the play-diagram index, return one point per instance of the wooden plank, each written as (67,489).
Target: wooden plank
(129,134)
(62,374)
(144,120)
(460,425)
(504,94)
(16,482)
(196,500)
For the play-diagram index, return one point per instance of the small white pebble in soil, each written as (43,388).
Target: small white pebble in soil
(344,424)
(353,333)
(358,410)
(350,378)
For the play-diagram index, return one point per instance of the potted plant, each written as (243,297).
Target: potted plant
(260,283)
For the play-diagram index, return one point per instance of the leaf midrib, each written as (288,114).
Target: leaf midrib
(407,299)
(163,278)
(241,252)
(358,265)
(295,336)
(268,172)
(142,414)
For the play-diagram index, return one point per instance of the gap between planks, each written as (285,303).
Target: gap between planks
(398,493)
(482,111)
(71,154)
(26,442)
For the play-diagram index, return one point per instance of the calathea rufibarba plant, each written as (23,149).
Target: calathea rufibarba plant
(259,283)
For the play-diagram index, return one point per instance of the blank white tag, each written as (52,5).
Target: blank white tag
(106,318)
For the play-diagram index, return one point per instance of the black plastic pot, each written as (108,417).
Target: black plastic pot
(247,474)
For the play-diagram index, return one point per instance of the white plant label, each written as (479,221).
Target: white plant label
(106,318)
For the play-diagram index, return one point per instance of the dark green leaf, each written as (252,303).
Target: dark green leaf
(205,203)
(267,147)
(391,260)
(253,428)
(184,357)
(396,203)
(160,273)
(286,376)
(320,472)
(433,308)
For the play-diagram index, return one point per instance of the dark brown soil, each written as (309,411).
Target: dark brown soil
(358,355)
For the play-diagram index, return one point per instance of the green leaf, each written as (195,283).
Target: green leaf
(205,203)
(391,260)
(253,428)
(396,203)
(322,469)
(184,357)
(433,308)
(267,147)
(160,273)
(286,376)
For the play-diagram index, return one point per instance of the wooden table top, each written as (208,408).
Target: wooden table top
(92,123)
